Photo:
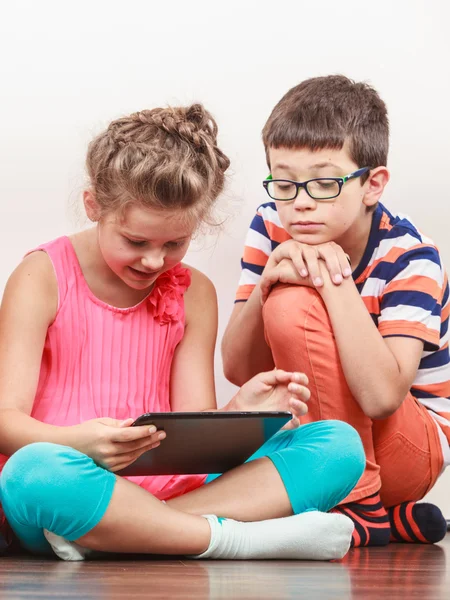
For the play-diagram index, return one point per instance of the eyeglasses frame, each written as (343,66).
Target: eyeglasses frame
(304,184)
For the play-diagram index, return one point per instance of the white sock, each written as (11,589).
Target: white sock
(64,549)
(309,536)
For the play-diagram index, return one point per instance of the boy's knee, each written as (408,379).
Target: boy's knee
(295,305)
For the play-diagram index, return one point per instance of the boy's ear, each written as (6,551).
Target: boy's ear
(375,185)
(90,205)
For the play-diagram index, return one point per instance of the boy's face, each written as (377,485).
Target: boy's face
(319,221)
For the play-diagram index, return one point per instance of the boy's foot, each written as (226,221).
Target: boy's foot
(372,527)
(417,522)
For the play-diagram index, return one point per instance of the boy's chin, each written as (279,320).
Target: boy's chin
(310,239)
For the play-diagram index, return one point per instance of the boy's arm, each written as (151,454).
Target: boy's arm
(409,323)
(244,349)
(379,371)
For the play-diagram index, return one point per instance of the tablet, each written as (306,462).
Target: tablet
(205,442)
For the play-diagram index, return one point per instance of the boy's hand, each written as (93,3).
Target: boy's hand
(275,390)
(283,272)
(114,444)
(305,260)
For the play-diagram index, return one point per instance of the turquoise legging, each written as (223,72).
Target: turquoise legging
(47,486)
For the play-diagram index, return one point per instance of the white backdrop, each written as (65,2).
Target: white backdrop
(68,68)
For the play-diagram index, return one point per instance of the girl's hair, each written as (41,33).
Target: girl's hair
(165,158)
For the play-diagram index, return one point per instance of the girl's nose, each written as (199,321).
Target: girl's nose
(153,261)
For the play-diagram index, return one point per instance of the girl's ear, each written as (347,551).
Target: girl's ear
(91,207)
(375,185)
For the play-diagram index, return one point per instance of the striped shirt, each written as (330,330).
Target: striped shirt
(404,286)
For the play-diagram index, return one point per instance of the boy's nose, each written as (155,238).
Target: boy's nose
(153,261)
(303,201)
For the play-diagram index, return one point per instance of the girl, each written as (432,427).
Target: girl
(108,324)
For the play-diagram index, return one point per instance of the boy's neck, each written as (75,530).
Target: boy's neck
(354,243)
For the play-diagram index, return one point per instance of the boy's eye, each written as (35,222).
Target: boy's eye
(282,189)
(283,186)
(326,184)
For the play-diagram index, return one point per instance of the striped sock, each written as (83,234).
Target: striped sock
(371,521)
(417,523)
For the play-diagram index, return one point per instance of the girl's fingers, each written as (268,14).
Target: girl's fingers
(290,377)
(300,392)
(278,376)
(294,423)
(300,378)
(297,408)
(130,434)
(128,459)
(274,377)
(136,446)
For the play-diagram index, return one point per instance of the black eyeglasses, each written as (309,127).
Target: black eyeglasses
(322,188)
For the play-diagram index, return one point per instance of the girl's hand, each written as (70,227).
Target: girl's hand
(114,444)
(275,390)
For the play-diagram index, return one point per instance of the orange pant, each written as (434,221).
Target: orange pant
(403,452)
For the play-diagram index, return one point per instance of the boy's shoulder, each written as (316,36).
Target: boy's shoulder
(397,248)
(397,230)
(266,227)
(267,214)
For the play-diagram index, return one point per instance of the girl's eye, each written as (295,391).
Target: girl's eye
(176,244)
(135,242)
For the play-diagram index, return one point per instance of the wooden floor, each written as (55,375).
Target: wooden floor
(398,571)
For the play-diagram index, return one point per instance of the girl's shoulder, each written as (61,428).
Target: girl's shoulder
(201,296)
(34,280)
(36,265)
(200,284)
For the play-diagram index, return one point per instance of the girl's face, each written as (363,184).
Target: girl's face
(140,244)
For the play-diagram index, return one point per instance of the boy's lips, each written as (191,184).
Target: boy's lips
(306,225)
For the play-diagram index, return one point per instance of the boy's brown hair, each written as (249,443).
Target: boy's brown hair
(326,112)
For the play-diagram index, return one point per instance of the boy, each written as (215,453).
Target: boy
(373,338)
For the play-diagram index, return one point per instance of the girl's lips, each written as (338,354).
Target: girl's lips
(142,274)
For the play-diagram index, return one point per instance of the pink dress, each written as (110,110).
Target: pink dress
(103,361)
